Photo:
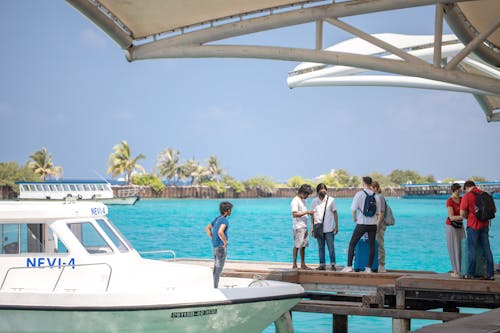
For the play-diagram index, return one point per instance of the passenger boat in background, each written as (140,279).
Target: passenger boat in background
(442,190)
(64,267)
(98,190)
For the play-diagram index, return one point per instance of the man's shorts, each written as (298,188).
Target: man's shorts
(300,238)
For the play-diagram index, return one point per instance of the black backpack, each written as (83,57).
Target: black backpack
(370,207)
(485,206)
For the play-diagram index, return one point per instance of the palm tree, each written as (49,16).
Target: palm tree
(194,170)
(213,168)
(121,162)
(167,164)
(41,164)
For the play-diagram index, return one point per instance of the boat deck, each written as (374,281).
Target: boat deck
(397,294)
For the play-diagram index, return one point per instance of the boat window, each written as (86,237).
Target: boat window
(25,238)
(79,187)
(90,238)
(52,187)
(93,187)
(32,188)
(46,188)
(72,187)
(86,187)
(59,187)
(39,187)
(114,235)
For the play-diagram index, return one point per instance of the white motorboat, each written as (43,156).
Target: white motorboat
(98,190)
(64,267)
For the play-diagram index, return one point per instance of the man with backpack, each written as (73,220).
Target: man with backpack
(478,208)
(365,209)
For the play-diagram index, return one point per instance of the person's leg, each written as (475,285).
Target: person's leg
(331,250)
(451,243)
(219,260)
(303,258)
(295,251)
(372,231)
(485,245)
(472,236)
(321,250)
(381,247)
(356,235)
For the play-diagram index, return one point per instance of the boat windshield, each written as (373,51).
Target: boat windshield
(116,237)
(90,238)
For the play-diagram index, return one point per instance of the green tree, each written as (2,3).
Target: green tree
(478,179)
(167,164)
(384,181)
(41,164)
(409,176)
(233,183)
(150,180)
(337,178)
(448,180)
(121,162)
(11,172)
(297,181)
(264,183)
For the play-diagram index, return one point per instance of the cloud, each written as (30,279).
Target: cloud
(94,39)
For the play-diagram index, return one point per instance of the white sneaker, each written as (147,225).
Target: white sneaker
(381,269)
(368,270)
(347,269)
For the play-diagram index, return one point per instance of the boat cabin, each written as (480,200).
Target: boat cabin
(60,189)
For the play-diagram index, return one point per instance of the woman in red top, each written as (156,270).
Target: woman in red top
(454,229)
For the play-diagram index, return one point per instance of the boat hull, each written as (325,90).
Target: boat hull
(120,200)
(240,317)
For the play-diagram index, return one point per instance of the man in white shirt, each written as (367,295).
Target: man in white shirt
(365,216)
(299,215)
(325,212)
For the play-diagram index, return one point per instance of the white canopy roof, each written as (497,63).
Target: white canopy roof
(151,29)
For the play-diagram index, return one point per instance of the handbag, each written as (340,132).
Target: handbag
(318,227)
(456,224)
(388,217)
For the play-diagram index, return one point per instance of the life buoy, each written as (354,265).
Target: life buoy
(80,197)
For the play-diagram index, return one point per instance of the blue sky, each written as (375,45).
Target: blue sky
(66,86)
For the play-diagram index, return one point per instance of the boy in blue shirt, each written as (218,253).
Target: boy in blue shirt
(217,231)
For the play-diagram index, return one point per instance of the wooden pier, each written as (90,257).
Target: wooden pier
(400,295)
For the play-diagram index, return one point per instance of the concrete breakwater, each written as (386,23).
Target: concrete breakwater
(205,192)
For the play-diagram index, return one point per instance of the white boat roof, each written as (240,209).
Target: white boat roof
(13,211)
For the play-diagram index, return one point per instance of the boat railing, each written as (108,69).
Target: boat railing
(172,252)
(128,192)
(62,270)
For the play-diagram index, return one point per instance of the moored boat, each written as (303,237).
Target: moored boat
(98,190)
(64,267)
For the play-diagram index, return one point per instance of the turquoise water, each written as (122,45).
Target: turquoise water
(260,230)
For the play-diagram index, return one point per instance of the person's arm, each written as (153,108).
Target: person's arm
(300,214)
(354,217)
(463,207)
(336,219)
(221,234)
(452,216)
(208,230)
(381,210)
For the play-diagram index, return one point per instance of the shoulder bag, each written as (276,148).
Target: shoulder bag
(318,227)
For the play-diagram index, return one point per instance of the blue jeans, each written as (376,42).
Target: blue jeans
(219,261)
(328,239)
(481,236)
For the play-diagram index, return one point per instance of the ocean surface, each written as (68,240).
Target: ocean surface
(261,230)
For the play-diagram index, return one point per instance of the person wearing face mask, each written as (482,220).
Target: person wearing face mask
(325,213)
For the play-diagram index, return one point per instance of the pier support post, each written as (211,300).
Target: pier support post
(339,323)
(401,325)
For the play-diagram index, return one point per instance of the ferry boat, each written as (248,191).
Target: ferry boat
(64,267)
(442,190)
(99,190)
